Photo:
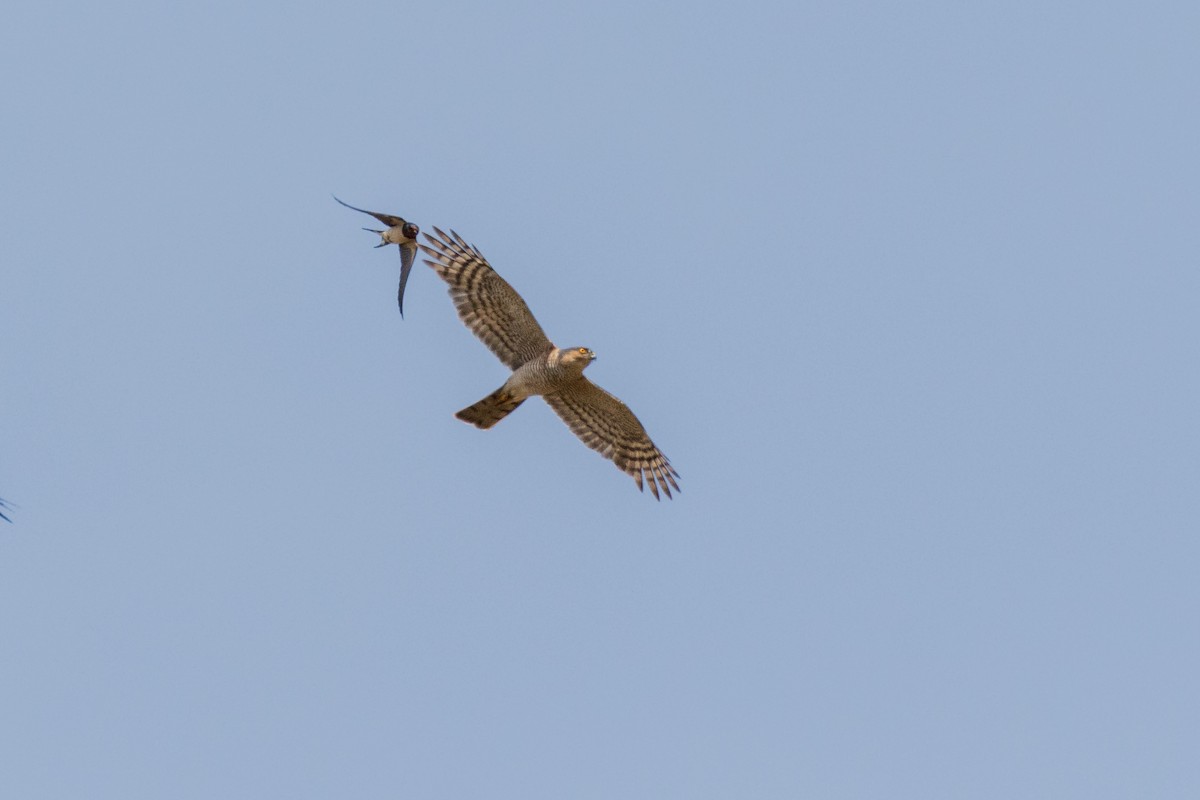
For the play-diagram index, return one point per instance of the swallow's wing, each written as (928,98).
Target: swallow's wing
(408,254)
(386,219)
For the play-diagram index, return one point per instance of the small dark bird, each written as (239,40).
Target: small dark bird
(400,232)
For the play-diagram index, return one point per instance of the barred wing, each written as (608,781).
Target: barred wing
(606,425)
(486,303)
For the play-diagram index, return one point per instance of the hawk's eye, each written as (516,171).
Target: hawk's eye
(583,351)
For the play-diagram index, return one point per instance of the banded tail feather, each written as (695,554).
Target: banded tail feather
(491,409)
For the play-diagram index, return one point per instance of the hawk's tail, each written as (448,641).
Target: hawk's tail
(491,409)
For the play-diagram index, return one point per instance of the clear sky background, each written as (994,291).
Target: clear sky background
(906,291)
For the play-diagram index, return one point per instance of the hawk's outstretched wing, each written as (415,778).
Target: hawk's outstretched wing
(486,303)
(606,425)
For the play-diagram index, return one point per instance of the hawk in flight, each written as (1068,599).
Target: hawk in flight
(398,231)
(499,317)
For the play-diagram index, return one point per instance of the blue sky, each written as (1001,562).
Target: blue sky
(906,292)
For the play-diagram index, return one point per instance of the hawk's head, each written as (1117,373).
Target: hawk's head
(576,358)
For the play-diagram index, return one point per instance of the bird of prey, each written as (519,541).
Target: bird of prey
(499,317)
(401,232)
